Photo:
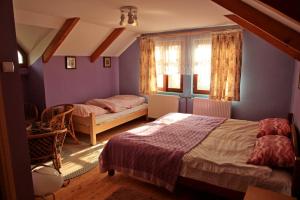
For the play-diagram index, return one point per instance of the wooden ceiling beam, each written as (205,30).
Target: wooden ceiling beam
(261,33)
(106,43)
(278,34)
(289,8)
(59,38)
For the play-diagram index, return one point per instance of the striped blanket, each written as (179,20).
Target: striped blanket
(154,151)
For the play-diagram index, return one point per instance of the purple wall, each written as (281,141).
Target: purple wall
(89,80)
(12,117)
(265,84)
(35,85)
(25,87)
(295,105)
(129,69)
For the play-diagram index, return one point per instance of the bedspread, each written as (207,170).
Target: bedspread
(154,151)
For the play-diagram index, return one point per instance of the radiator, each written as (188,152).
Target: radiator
(159,105)
(211,107)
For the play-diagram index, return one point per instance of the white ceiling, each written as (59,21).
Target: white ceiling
(29,36)
(99,17)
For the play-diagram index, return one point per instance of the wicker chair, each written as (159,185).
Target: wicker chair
(58,117)
(46,147)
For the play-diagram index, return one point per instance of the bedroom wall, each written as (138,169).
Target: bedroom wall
(295,104)
(265,84)
(89,80)
(266,81)
(129,69)
(35,85)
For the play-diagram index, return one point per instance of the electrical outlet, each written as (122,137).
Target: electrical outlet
(8,66)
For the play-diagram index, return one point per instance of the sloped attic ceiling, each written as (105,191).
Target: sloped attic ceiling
(29,36)
(38,21)
(267,22)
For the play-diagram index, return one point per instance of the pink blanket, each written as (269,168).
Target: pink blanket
(154,151)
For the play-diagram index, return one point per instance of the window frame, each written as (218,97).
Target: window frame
(24,55)
(195,88)
(166,88)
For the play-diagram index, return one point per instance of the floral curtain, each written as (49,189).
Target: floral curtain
(148,83)
(226,65)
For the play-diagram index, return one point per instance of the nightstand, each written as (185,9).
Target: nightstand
(255,193)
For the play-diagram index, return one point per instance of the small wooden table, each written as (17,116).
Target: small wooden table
(255,193)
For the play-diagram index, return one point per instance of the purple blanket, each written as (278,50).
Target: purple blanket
(154,151)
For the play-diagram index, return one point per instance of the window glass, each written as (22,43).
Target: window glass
(202,62)
(20,58)
(160,81)
(174,81)
(168,62)
(170,58)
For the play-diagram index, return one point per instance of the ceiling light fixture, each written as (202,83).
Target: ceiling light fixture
(131,13)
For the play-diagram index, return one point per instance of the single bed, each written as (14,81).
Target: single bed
(216,164)
(93,125)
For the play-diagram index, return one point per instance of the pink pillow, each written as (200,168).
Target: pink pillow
(273,151)
(83,110)
(107,104)
(274,126)
(128,101)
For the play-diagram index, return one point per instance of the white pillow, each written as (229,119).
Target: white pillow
(111,105)
(83,110)
(128,101)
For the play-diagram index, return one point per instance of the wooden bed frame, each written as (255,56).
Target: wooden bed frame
(87,125)
(232,194)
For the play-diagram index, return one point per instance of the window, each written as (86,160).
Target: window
(22,57)
(169,62)
(201,63)
(187,54)
(190,54)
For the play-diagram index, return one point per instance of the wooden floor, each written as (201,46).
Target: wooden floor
(94,185)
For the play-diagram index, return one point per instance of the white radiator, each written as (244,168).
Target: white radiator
(212,107)
(159,105)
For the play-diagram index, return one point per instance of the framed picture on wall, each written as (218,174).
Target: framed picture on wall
(107,62)
(70,62)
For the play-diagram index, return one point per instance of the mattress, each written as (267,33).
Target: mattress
(221,160)
(112,116)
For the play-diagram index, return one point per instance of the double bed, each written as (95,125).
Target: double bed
(218,163)
(221,160)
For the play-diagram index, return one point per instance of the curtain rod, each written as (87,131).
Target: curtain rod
(191,31)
